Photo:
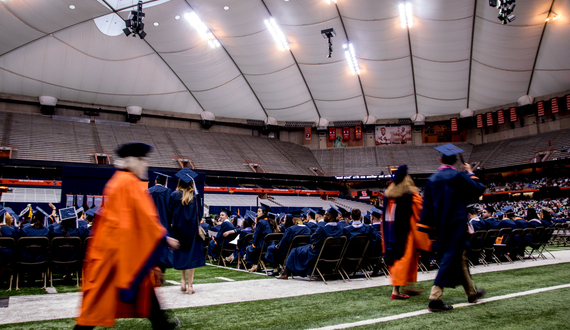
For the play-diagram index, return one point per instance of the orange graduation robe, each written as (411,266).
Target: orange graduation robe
(122,248)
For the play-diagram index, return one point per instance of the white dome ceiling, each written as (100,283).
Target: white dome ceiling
(455,56)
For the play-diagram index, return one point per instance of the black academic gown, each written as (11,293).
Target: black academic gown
(262,229)
(185,222)
(276,252)
(491,223)
(447,193)
(161,196)
(301,259)
(6,254)
(216,244)
(355,230)
(478,224)
(312,226)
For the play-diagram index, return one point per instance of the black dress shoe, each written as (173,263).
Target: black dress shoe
(480,293)
(438,306)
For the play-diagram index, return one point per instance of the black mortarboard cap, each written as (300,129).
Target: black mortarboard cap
(376,213)
(311,212)
(400,174)
(271,215)
(265,207)
(134,149)
(297,213)
(449,150)
(321,211)
(333,211)
(92,211)
(161,177)
(227,212)
(345,213)
(186,175)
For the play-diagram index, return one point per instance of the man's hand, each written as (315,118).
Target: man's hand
(172,243)
(467,168)
(52,206)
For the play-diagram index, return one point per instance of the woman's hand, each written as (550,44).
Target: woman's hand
(173,243)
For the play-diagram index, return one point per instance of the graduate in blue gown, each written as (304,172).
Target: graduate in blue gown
(226,226)
(276,251)
(546,217)
(186,214)
(246,228)
(302,259)
(357,227)
(161,196)
(532,218)
(344,217)
(446,195)
(264,226)
(6,230)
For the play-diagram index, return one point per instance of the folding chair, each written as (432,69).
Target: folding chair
(509,244)
(7,245)
(373,260)
(476,246)
(536,241)
(297,241)
(544,241)
(248,239)
(32,254)
(65,252)
(274,237)
(504,235)
(353,255)
(488,246)
(227,248)
(329,258)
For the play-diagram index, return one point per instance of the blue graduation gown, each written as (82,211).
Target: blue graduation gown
(161,197)
(351,231)
(242,244)
(533,223)
(276,252)
(478,224)
(185,222)
(547,223)
(205,226)
(342,224)
(56,230)
(312,226)
(447,193)
(491,223)
(29,231)
(521,223)
(507,223)
(216,244)
(6,254)
(262,229)
(302,258)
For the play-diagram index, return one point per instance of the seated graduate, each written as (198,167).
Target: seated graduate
(344,217)
(357,227)
(546,217)
(6,226)
(81,218)
(226,234)
(264,226)
(506,221)
(246,228)
(375,230)
(26,216)
(490,221)
(36,228)
(89,218)
(320,218)
(301,259)
(532,218)
(217,223)
(311,220)
(276,252)
(474,219)
(206,224)
(67,228)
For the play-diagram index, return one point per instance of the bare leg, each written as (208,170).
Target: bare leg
(396,290)
(190,281)
(183,281)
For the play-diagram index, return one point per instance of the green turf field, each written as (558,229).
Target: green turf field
(546,310)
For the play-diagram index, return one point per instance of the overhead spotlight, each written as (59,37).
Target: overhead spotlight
(134,23)
(493,3)
(329,1)
(328,34)
(277,34)
(406,17)
(202,29)
(553,17)
(351,58)
(506,8)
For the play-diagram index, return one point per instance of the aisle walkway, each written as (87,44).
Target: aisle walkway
(66,305)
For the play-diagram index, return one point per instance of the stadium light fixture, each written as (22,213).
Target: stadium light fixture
(134,24)
(277,34)
(202,29)
(329,1)
(406,17)
(506,8)
(351,58)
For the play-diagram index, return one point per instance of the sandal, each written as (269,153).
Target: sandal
(400,296)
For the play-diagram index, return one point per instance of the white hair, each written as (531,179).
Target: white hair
(136,165)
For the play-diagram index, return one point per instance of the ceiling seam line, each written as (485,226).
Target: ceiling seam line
(412,67)
(538,49)
(300,72)
(358,74)
(471,53)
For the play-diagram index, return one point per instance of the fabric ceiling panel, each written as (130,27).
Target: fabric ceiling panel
(384,108)
(389,79)
(350,109)
(331,82)
(434,107)
(303,112)
(491,87)
(444,81)
(53,15)
(280,89)
(13,32)
(442,41)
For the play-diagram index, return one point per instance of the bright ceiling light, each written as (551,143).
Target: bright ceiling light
(406,18)
(177,17)
(329,1)
(156,24)
(351,58)
(71,6)
(226,7)
(277,34)
(202,29)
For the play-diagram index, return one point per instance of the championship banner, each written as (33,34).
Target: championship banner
(69,200)
(79,200)
(308,134)
(358,133)
(554,105)
(332,133)
(90,201)
(345,133)
(568,102)
(453,124)
(513,113)
(500,117)
(479,121)
(540,106)
(393,134)
(489,118)
(98,201)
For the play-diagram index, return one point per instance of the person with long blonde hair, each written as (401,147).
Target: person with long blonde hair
(186,214)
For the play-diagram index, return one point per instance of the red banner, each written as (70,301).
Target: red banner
(332,133)
(345,133)
(454,124)
(540,106)
(308,134)
(358,133)
(500,117)
(554,105)
(513,113)
(479,121)
(489,118)
(568,102)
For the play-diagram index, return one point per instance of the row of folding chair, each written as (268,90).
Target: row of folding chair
(40,254)
(561,235)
